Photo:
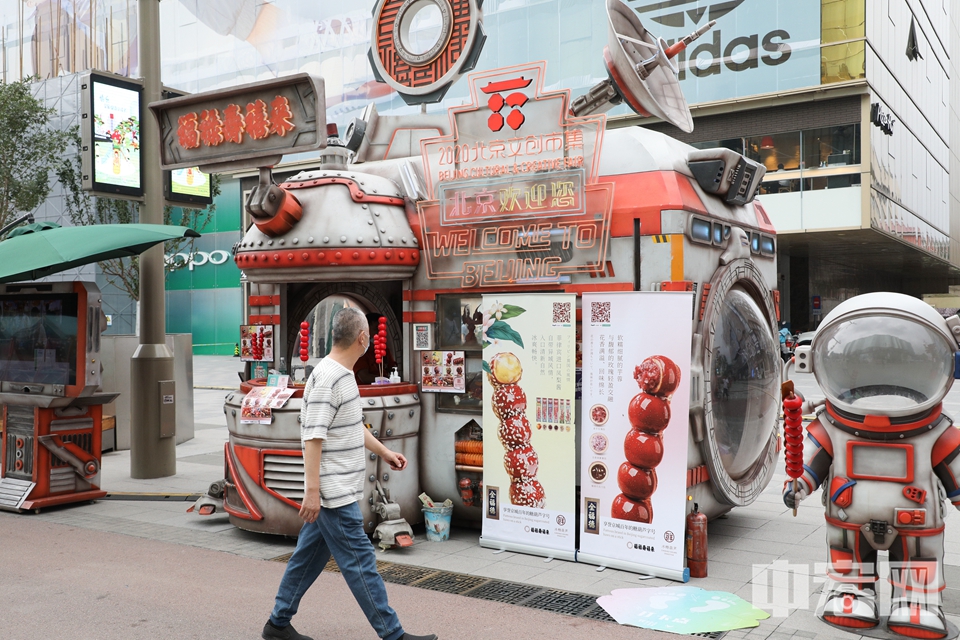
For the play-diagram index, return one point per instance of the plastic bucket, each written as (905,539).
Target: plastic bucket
(437,523)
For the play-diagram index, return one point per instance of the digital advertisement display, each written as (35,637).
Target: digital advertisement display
(189,185)
(116,136)
(635,405)
(529,440)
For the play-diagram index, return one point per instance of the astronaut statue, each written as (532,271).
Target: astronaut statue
(886,456)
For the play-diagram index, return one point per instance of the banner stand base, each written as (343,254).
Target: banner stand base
(503,545)
(633,567)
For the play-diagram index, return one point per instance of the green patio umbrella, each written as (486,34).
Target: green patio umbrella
(40,249)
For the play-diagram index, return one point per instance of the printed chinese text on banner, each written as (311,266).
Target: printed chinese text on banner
(634,434)
(529,443)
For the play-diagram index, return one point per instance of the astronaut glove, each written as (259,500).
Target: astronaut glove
(791,499)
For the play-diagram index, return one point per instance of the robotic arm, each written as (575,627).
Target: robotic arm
(946,463)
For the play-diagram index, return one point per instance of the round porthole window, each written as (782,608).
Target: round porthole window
(741,371)
(422,30)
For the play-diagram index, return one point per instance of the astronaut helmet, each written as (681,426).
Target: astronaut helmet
(884,354)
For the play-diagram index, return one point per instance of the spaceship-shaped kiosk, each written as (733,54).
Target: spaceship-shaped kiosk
(396,219)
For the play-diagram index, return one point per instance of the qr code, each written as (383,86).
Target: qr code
(599,312)
(561,313)
(421,338)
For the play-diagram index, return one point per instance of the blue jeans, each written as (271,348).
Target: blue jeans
(340,532)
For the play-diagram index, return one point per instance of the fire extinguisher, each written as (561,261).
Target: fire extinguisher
(696,540)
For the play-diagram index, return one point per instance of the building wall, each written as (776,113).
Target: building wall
(204,296)
(910,169)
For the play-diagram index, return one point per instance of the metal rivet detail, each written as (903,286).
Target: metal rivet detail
(359,239)
(269,243)
(296,241)
(326,238)
(282,242)
(310,239)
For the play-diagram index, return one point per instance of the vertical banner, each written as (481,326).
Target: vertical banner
(529,443)
(635,404)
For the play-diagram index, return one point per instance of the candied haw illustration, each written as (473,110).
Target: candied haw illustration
(658,375)
(514,432)
(509,400)
(521,463)
(624,508)
(643,449)
(649,413)
(527,493)
(636,483)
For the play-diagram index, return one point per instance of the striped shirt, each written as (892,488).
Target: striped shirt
(331,412)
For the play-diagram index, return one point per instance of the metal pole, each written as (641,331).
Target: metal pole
(152,444)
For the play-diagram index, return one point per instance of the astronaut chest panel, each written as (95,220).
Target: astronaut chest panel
(876,480)
(880,461)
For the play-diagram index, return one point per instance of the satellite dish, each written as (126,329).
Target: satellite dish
(642,71)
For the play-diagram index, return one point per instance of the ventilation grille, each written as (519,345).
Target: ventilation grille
(62,479)
(284,474)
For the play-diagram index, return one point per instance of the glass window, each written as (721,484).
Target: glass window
(471,401)
(841,20)
(734,144)
(460,323)
(842,62)
(777,152)
(831,146)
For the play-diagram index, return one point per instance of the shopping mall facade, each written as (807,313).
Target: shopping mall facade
(850,105)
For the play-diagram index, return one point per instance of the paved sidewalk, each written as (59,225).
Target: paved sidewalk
(233,589)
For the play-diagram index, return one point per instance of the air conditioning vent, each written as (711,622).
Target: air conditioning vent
(284,474)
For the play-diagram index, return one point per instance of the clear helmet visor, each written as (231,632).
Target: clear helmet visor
(883,365)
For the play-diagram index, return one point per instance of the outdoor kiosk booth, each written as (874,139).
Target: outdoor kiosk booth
(425,219)
(49,375)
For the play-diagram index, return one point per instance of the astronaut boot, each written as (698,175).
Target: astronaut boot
(917,619)
(850,608)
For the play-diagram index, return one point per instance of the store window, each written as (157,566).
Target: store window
(460,328)
(824,158)
(831,146)
(777,152)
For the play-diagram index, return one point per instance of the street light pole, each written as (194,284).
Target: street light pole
(152,444)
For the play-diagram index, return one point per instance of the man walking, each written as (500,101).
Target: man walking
(331,423)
